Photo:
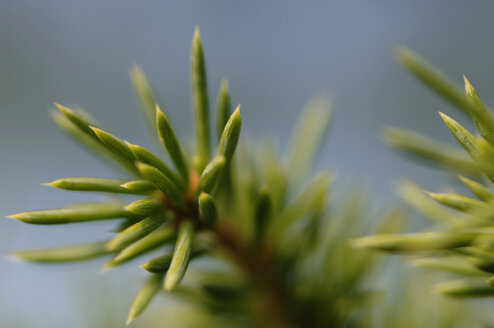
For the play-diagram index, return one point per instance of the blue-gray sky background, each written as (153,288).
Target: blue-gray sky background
(275,54)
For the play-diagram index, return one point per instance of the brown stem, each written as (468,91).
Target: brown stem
(255,261)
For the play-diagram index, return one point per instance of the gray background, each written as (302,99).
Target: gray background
(276,54)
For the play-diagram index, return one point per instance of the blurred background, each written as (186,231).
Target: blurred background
(275,54)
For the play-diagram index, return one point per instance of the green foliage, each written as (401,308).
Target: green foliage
(64,254)
(76,213)
(463,243)
(200,100)
(145,295)
(244,237)
(413,306)
(181,255)
(171,143)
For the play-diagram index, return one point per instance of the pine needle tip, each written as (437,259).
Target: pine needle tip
(15,257)
(224,84)
(65,110)
(95,129)
(430,194)
(445,117)
(105,268)
(158,110)
(130,318)
(197,33)
(401,53)
(60,107)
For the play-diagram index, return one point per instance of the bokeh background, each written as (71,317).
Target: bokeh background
(275,54)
